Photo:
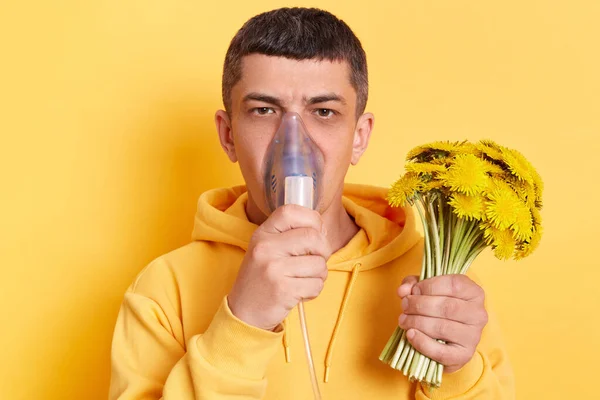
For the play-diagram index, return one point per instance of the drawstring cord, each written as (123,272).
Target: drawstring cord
(286,340)
(340,318)
(336,329)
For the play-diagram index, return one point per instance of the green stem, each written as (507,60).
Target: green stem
(440,371)
(472,257)
(419,205)
(384,356)
(399,349)
(448,243)
(430,372)
(457,238)
(421,376)
(411,354)
(400,364)
(468,245)
(436,241)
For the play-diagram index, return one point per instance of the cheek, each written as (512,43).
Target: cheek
(251,147)
(337,149)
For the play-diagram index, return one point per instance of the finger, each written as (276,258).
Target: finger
(446,330)
(444,307)
(292,216)
(307,288)
(305,267)
(445,354)
(302,241)
(455,285)
(407,284)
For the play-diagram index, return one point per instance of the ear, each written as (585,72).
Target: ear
(362,133)
(223,123)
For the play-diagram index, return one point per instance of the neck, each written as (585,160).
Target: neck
(340,226)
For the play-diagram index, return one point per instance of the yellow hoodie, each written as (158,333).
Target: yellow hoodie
(176,338)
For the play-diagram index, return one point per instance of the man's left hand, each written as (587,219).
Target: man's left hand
(448,307)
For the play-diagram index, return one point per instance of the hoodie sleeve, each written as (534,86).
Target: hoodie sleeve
(227,361)
(488,375)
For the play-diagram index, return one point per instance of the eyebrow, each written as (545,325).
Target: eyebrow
(265,98)
(325,98)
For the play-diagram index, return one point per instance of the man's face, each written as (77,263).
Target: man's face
(320,92)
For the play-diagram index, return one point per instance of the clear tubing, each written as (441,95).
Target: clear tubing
(299,190)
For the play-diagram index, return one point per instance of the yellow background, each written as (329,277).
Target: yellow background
(108,139)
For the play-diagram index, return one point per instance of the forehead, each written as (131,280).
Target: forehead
(290,79)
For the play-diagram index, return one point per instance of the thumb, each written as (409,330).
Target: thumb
(407,284)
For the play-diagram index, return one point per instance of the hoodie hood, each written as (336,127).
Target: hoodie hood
(385,232)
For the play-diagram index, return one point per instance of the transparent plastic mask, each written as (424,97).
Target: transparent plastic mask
(294,165)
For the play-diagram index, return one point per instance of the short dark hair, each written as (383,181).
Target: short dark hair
(299,34)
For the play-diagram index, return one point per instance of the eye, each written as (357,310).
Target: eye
(325,112)
(263,110)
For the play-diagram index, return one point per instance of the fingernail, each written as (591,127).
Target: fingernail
(404,303)
(402,318)
(410,334)
(416,290)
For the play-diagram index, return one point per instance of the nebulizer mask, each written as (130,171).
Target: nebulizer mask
(294,166)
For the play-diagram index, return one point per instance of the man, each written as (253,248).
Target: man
(216,319)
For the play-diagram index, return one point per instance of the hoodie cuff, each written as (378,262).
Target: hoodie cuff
(237,348)
(458,382)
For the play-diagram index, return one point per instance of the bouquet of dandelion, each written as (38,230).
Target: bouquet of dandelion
(469,196)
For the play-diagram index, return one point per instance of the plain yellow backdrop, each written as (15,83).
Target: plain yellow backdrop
(107,140)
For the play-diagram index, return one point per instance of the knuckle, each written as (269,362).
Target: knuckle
(285,211)
(485,318)
(312,235)
(272,273)
(414,304)
(324,271)
(320,285)
(456,283)
(442,329)
(259,249)
(448,309)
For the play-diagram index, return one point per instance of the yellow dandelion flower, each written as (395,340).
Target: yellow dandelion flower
(492,168)
(518,164)
(529,247)
(465,148)
(432,150)
(444,146)
(469,207)
(424,168)
(444,161)
(504,245)
(490,149)
(433,184)
(537,218)
(501,205)
(466,175)
(501,240)
(523,226)
(538,186)
(524,190)
(403,190)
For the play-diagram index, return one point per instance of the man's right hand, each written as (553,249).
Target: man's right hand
(285,264)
